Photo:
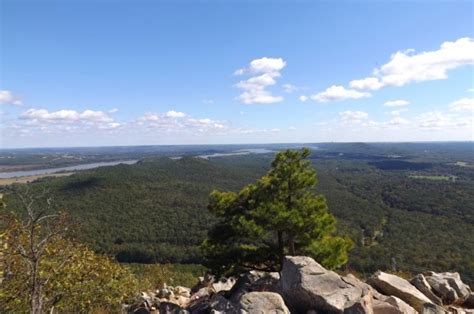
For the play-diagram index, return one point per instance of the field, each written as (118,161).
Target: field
(27,179)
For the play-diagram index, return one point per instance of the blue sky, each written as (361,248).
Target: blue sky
(87,73)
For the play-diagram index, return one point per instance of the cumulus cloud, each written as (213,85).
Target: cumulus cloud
(464,104)
(407,66)
(65,115)
(265,71)
(350,117)
(175,114)
(303,98)
(335,93)
(396,103)
(7,98)
(371,83)
(173,121)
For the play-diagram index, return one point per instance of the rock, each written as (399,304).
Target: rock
(353,280)
(263,303)
(395,286)
(419,281)
(254,281)
(216,304)
(363,306)
(392,305)
(306,285)
(469,302)
(223,284)
(171,308)
(448,286)
(182,291)
(458,310)
(430,308)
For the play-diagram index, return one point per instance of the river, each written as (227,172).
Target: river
(25,173)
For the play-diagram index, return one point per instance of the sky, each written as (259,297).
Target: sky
(111,72)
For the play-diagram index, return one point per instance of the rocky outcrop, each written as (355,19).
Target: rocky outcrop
(304,286)
(419,281)
(448,286)
(389,284)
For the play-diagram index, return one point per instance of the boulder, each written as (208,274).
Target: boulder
(395,286)
(263,303)
(396,306)
(419,281)
(363,306)
(306,285)
(254,281)
(448,286)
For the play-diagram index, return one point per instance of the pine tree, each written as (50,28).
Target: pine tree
(278,215)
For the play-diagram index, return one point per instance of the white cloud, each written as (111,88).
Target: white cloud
(396,103)
(290,88)
(266,70)
(335,93)
(176,122)
(65,115)
(405,66)
(371,83)
(464,104)
(7,98)
(175,114)
(208,101)
(397,120)
(114,110)
(349,117)
(303,98)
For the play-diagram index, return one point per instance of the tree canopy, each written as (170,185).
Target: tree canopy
(280,214)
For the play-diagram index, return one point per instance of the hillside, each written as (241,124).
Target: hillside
(155,211)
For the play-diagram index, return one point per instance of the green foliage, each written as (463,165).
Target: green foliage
(153,276)
(278,215)
(74,278)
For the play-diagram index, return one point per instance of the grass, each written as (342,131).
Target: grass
(152,276)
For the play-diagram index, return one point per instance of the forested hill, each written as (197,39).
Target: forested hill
(405,214)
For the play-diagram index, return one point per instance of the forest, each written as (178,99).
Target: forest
(385,197)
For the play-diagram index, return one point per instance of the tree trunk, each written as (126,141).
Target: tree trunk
(280,247)
(36,301)
(291,246)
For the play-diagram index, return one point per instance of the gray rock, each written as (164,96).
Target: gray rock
(363,306)
(395,286)
(448,286)
(254,281)
(394,306)
(216,304)
(430,308)
(306,285)
(469,302)
(263,303)
(224,284)
(419,281)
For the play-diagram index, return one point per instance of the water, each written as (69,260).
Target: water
(239,152)
(6,175)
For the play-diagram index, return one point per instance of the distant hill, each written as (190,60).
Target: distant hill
(399,217)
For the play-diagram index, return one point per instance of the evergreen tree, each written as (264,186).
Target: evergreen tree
(278,215)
